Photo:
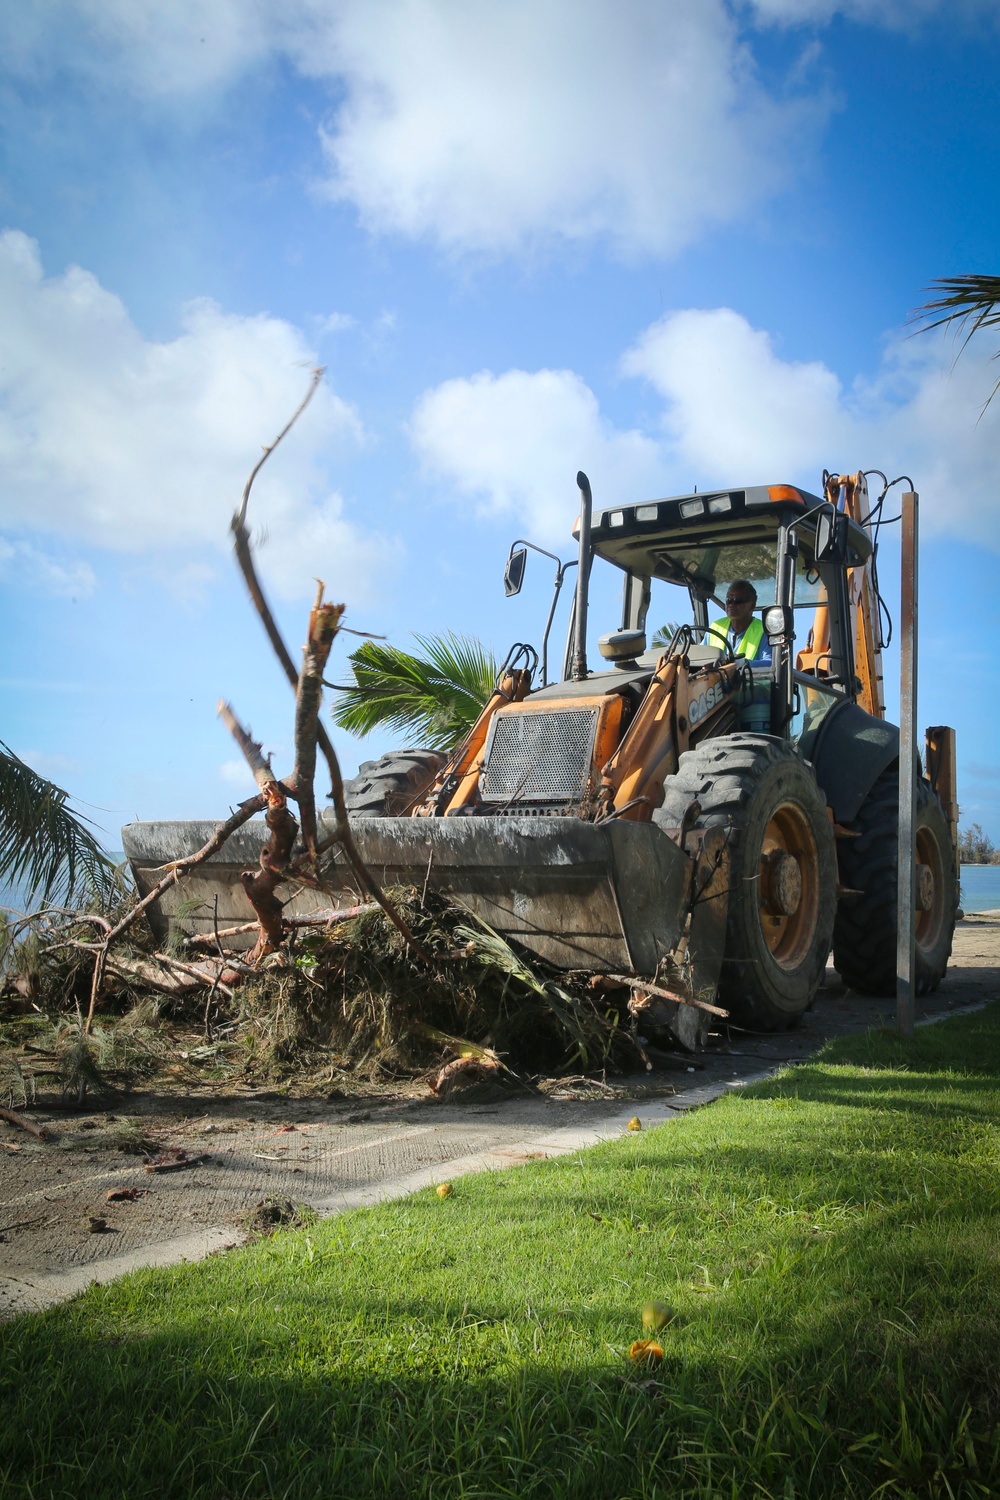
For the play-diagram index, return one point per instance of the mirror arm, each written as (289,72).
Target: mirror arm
(560,575)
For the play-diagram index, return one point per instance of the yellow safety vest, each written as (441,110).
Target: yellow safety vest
(748,646)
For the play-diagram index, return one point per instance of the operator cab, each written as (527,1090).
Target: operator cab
(795,549)
(790,545)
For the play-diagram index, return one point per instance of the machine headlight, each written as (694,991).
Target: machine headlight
(719,504)
(616,518)
(647,512)
(777,621)
(689,508)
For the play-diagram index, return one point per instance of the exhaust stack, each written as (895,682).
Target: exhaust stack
(579,671)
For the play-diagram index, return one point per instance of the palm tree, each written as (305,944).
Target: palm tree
(46,849)
(435,698)
(969,302)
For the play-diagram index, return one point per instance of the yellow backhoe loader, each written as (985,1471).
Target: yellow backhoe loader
(710,822)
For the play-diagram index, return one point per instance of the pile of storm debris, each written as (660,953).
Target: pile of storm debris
(344,996)
(402,985)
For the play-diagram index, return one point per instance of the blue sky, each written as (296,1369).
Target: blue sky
(673,242)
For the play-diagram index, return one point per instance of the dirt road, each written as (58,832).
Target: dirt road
(220,1157)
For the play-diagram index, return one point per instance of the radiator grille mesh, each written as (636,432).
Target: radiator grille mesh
(539,757)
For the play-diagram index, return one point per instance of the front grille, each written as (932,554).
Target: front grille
(539,756)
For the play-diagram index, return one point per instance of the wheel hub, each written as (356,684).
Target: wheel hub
(925,887)
(783,884)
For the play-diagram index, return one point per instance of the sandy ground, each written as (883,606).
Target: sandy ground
(233,1152)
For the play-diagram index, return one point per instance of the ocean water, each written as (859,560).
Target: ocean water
(17,898)
(980,887)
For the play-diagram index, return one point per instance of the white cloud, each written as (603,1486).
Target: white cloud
(144,447)
(480,126)
(238,774)
(734,408)
(33,568)
(158,51)
(336,322)
(514,443)
(490,127)
(735,412)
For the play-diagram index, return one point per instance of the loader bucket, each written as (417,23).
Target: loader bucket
(610,896)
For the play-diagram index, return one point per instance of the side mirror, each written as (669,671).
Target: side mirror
(831,536)
(513,573)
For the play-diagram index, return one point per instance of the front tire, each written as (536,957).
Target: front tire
(782,871)
(393,785)
(864,938)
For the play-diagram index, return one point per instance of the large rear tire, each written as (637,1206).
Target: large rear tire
(782,871)
(391,786)
(864,938)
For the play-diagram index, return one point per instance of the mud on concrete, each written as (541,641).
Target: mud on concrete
(84,1206)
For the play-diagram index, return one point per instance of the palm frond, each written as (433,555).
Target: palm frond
(969,303)
(46,848)
(971,299)
(436,697)
(664,635)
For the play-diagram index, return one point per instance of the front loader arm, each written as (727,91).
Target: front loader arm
(849,493)
(680,708)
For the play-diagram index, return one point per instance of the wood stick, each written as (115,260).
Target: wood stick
(38,1131)
(177,869)
(329,918)
(161,972)
(654,989)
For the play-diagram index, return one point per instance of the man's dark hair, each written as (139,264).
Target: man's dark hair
(744,583)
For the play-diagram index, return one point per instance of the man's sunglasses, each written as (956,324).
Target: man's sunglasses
(743,599)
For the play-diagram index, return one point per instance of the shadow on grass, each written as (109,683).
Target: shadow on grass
(966,1044)
(218,1411)
(938,1092)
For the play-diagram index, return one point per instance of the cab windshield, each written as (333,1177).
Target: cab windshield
(709,568)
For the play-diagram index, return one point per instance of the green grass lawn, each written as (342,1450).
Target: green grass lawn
(828,1242)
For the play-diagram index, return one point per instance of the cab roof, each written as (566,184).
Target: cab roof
(635,537)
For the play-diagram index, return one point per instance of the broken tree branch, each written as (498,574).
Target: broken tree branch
(342,834)
(367,884)
(317,376)
(176,870)
(253,753)
(260,886)
(169,975)
(244,556)
(328,918)
(646,988)
(39,1131)
(324,621)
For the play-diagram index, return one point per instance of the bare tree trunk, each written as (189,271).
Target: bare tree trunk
(324,621)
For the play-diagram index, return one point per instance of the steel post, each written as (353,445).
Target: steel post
(907,864)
